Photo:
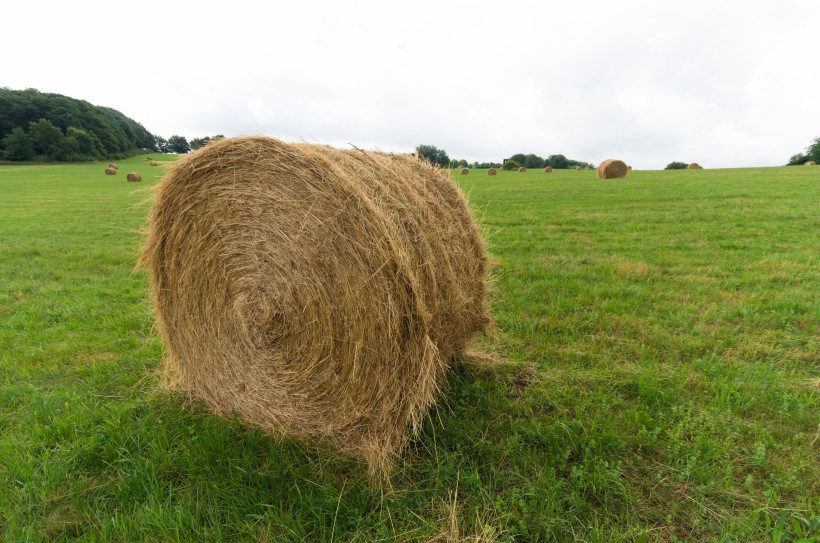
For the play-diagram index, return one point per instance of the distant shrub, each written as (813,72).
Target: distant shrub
(677,166)
(510,164)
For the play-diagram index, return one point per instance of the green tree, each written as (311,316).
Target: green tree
(160,144)
(111,132)
(198,143)
(519,158)
(87,144)
(798,160)
(510,164)
(18,145)
(813,151)
(45,137)
(68,150)
(533,161)
(676,166)
(178,144)
(433,155)
(558,162)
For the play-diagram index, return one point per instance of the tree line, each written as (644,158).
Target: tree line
(559,162)
(812,154)
(58,128)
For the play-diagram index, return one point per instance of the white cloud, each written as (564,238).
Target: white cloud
(722,82)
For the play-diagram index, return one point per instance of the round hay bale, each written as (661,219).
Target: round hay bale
(110,171)
(522,169)
(629,168)
(694,166)
(152,163)
(314,292)
(579,167)
(548,169)
(150,159)
(612,168)
(465,171)
(114,166)
(133,177)
(492,171)
(809,163)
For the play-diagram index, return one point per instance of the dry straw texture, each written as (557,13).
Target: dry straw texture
(548,169)
(492,171)
(316,292)
(110,171)
(612,168)
(133,176)
(694,166)
(522,169)
(810,163)
(465,171)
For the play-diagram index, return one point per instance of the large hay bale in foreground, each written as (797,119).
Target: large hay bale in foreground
(548,169)
(315,292)
(492,171)
(133,177)
(110,171)
(522,169)
(465,171)
(694,166)
(612,168)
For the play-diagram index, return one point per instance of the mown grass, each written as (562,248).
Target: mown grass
(653,377)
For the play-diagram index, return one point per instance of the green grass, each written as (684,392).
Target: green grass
(653,377)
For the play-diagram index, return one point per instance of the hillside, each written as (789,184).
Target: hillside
(36,125)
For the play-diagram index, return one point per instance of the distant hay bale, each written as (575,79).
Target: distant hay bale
(548,169)
(809,163)
(492,171)
(694,166)
(150,159)
(579,167)
(110,171)
(314,292)
(629,168)
(522,169)
(114,166)
(133,177)
(465,171)
(152,163)
(612,168)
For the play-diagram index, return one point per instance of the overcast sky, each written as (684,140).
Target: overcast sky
(725,83)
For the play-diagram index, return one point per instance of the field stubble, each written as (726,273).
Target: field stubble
(653,377)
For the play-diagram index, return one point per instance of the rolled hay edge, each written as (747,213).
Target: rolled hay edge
(314,292)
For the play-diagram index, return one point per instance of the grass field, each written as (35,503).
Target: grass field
(653,377)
